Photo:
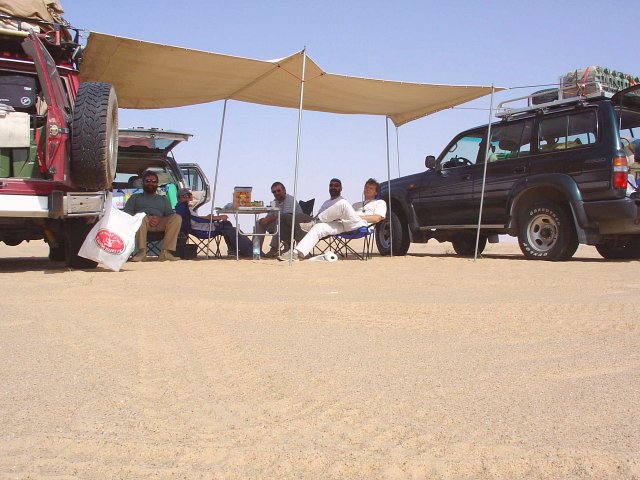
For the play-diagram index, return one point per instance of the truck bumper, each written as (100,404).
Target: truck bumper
(56,205)
(75,204)
(615,216)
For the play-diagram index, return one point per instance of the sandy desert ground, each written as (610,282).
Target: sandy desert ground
(419,367)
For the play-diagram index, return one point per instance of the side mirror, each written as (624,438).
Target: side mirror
(430,162)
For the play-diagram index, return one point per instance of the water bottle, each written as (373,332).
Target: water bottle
(256,247)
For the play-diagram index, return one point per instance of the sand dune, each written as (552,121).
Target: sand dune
(425,366)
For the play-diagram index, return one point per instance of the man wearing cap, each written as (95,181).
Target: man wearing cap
(336,215)
(211,223)
(285,203)
(159,217)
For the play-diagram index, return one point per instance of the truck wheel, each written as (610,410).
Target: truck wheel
(94,136)
(620,249)
(58,254)
(465,244)
(75,231)
(400,235)
(546,232)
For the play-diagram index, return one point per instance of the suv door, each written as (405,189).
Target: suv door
(569,141)
(58,107)
(508,162)
(446,195)
(197,182)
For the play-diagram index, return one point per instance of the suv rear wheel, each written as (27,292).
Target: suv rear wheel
(546,232)
(75,232)
(627,249)
(400,235)
(94,136)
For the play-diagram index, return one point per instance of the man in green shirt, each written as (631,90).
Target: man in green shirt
(160,218)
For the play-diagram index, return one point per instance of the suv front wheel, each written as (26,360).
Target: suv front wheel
(465,244)
(400,235)
(546,232)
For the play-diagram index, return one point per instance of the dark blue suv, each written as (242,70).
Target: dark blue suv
(558,173)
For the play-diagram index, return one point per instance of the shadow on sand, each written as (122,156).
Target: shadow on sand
(513,257)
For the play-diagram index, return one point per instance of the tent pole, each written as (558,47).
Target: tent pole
(295,178)
(398,149)
(484,173)
(215,180)
(386,123)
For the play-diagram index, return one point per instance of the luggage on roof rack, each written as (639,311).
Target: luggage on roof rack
(594,80)
(588,82)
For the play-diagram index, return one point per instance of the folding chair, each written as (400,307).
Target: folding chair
(201,238)
(343,240)
(340,243)
(154,243)
(307,209)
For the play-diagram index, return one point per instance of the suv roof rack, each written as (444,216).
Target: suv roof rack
(565,95)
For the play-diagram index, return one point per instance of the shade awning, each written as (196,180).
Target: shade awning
(150,75)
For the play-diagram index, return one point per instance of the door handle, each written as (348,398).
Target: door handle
(519,169)
(466,176)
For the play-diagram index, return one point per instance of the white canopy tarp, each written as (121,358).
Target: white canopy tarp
(151,75)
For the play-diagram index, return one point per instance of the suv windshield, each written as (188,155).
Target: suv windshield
(464,151)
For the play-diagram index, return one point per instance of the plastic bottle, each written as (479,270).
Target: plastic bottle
(256,247)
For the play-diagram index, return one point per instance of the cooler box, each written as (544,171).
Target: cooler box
(242,197)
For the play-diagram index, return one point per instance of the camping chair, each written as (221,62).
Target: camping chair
(307,209)
(154,243)
(201,238)
(341,243)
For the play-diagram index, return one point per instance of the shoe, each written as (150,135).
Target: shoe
(166,255)
(141,256)
(285,256)
(305,227)
(273,253)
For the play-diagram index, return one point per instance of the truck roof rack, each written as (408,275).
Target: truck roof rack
(553,97)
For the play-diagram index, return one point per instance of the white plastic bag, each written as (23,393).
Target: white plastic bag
(325,257)
(112,238)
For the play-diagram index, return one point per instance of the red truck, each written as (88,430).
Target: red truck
(58,138)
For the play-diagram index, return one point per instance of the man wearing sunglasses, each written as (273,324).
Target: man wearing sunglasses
(160,218)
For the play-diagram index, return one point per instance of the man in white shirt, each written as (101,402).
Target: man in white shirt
(337,216)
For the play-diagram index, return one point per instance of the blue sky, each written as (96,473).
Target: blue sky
(506,43)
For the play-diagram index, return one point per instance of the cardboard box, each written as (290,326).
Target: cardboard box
(242,197)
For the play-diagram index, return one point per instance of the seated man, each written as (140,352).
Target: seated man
(285,204)
(337,216)
(218,223)
(160,218)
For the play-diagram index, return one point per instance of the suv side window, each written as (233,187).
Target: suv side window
(568,131)
(510,141)
(463,151)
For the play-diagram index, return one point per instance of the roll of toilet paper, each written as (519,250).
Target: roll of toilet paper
(325,257)
(330,257)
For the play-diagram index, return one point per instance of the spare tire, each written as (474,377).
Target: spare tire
(94,136)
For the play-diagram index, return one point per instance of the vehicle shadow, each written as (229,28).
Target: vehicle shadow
(513,257)
(38,264)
